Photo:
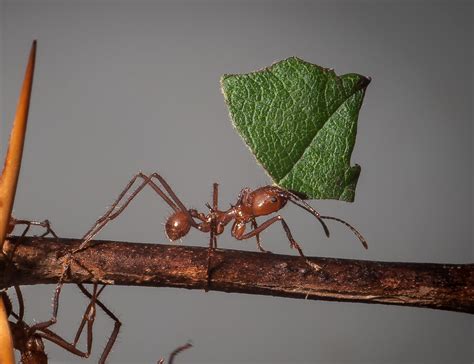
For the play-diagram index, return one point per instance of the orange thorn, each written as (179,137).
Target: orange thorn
(8,183)
(11,169)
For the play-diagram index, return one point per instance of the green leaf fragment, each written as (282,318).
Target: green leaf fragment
(300,122)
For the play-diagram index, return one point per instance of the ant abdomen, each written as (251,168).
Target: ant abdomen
(177,225)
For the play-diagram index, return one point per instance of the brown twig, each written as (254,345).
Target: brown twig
(438,286)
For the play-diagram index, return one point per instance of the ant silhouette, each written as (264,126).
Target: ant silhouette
(28,340)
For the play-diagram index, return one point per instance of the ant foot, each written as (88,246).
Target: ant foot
(315,266)
(260,248)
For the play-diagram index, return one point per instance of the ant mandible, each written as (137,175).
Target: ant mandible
(250,204)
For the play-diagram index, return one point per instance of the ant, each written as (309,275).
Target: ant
(250,204)
(28,340)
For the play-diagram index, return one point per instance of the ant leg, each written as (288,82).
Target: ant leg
(116,208)
(293,243)
(212,243)
(117,324)
(43,333)
(212,233)
(89,317)
(215,203)
(179,350)
(29,223)
(215,196)
(44,325)
(173,195)
(109,215)
(257,236)
(175,352)
(21,303)
(58,340)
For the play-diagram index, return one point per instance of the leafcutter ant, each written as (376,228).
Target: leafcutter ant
(28,340)
(250,204)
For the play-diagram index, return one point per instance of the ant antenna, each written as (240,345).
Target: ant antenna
(354,230)
(305,206)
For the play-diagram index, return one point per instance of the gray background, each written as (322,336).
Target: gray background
(123,86)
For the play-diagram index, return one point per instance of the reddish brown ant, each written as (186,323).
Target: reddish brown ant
(250,205)
(28,340)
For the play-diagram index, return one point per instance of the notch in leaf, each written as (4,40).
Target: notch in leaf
(300,122)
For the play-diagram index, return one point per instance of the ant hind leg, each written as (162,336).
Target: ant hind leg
(117,323)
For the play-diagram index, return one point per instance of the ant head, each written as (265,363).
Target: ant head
(267,200)
(177,225)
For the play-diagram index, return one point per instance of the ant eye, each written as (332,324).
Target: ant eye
(273,199)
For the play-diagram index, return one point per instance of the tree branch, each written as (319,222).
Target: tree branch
(439,286)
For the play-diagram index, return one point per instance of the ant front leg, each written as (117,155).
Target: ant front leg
(212,233)
(238,232)
(257,236)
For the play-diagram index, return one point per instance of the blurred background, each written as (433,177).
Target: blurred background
(123,86)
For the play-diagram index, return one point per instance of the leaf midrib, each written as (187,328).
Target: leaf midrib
(317,132)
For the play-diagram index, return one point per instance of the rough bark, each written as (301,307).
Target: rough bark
(438,286)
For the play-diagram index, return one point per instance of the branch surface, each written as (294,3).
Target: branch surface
(439,286)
